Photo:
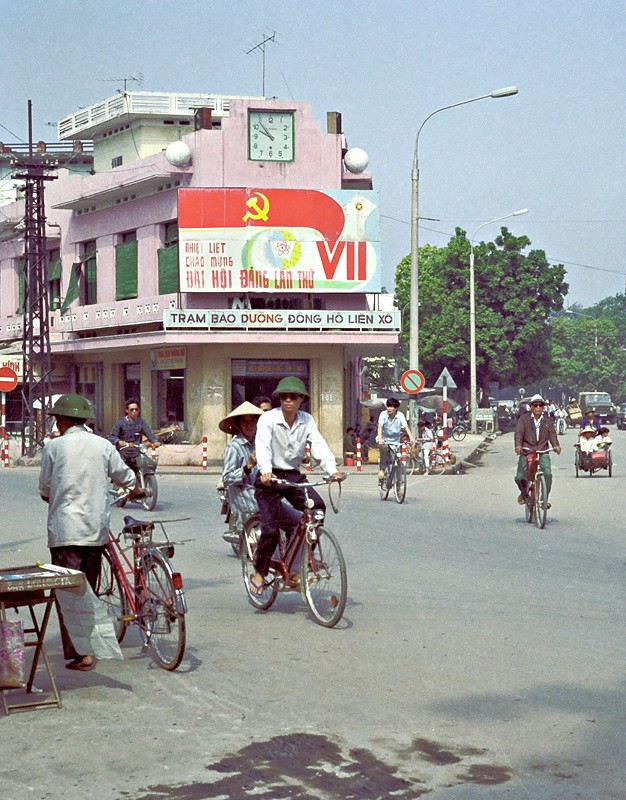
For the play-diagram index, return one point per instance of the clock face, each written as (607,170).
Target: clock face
(270,135)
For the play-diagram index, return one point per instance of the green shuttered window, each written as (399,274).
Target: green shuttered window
(168,269)
(126,272)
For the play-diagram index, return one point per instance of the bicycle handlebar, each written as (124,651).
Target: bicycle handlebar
(322,482)
(541,452)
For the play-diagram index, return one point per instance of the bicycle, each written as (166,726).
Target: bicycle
(459,432)
(321,575)
(536,506)
(145,590)
(437,464)
(395,474)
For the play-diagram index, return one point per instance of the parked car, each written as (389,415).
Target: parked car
(620,417)
(598,402)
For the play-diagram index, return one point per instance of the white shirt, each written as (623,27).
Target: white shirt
(282,447)
(75,472)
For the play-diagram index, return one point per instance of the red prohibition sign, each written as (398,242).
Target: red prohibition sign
(8,379)
(412,381)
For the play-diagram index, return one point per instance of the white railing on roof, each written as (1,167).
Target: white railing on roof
(141,104)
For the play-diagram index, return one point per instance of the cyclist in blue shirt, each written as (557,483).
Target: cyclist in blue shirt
(391,425)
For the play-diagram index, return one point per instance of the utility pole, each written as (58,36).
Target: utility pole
(35,170)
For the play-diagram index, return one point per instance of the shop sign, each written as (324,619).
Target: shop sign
(168,358)
(283,319)
(279,240)
(15,362)
(270,367)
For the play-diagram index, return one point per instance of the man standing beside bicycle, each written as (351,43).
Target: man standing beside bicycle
(74,480)
(391,425)
(535,431)
(281,439)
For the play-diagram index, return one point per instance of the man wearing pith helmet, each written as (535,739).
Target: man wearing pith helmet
(76,470)
(281,439)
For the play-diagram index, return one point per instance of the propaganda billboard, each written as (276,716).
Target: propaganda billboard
(279,240)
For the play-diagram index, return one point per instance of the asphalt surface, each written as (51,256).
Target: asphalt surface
(477,658)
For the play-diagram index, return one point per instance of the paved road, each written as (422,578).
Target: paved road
(478,657)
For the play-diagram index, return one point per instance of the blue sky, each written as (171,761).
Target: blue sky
(556,148)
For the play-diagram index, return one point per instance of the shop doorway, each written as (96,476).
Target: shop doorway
(255,377)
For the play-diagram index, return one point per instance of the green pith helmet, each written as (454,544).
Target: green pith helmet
(72,405)
(293,385)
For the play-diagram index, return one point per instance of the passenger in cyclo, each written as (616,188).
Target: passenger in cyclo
(391,425)
(240,469)
(605,440)
(281,441)
(534,431)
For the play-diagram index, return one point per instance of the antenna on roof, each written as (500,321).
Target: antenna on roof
(138,78)
(261,46)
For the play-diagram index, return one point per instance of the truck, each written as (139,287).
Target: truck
(600,403)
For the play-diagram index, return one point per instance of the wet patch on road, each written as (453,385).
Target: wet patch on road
(305,766)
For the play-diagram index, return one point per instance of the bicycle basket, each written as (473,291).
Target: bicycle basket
(144,461)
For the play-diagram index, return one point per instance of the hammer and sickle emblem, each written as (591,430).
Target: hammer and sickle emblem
(253,204)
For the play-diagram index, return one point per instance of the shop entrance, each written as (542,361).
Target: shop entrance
(255,376)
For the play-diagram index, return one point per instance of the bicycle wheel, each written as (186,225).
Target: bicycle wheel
(437,464)
(384,486)
(152,491)
(399,484)
(459,433)
(576,461)
(161,619)
(541,502)
(324,579)
(249,541)
(610,464)
(111,591)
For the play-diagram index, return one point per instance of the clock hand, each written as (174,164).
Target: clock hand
(265,131)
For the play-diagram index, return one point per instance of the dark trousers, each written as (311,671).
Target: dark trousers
(87,560)
(274,513)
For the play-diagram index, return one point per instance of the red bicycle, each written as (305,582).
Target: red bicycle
(144,589)
(536,507)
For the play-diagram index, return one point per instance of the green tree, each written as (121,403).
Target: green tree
(515,295)
(588,353)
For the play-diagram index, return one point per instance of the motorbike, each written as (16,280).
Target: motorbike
(145,468)
(561,426)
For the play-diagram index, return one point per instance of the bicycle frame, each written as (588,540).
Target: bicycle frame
(320,575)
(536,493)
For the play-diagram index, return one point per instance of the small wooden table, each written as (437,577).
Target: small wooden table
(29,587)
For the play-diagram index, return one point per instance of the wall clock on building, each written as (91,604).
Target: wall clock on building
(271,135)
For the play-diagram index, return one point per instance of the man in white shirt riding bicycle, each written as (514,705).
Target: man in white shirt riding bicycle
(391,425)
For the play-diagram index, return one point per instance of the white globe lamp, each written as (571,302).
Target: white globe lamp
(178,154)
(356,160)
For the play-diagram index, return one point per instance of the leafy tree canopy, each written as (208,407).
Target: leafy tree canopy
(515,296)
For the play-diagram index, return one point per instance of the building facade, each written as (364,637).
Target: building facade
(220,244)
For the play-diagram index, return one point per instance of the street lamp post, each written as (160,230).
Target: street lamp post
(507,91)
(473,387)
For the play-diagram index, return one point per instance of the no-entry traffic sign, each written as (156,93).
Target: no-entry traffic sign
(412,381)
(8,379)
